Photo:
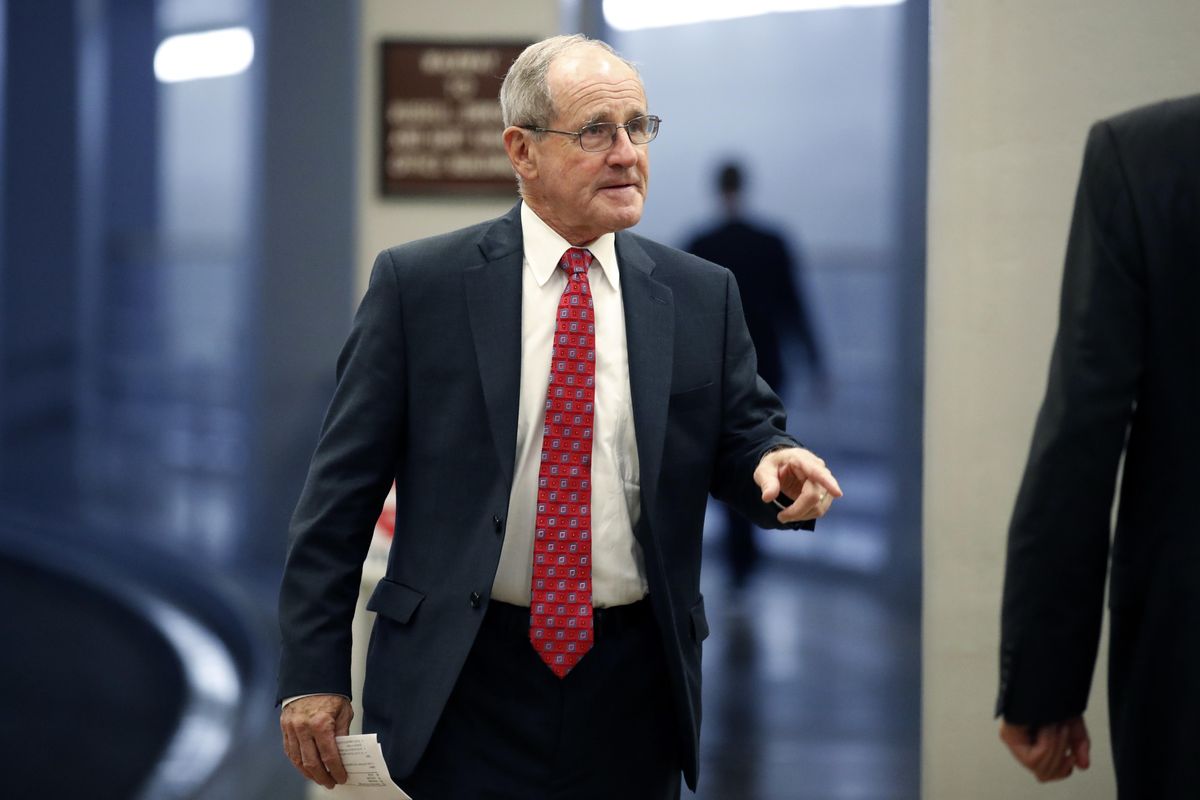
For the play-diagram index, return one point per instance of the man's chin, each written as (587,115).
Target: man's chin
(625,216)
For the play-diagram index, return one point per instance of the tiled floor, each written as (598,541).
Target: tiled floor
(811,689)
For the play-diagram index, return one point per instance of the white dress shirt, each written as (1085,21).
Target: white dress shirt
(618,568)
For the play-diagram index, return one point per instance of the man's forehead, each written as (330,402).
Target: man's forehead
(587,75)
(584,59)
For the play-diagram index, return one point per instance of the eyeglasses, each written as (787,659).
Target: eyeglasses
(600,136)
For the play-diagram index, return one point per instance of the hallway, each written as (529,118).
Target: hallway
(812,688)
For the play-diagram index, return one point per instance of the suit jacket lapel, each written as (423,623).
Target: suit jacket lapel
(493,290)
(649,332)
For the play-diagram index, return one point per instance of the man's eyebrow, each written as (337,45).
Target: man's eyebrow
(600,116)
(604,116)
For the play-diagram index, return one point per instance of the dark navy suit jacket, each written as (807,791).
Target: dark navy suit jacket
(1124,380)
(427,395)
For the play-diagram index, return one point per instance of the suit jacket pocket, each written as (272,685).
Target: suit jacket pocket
(690,397)
(699,622)
(394,600)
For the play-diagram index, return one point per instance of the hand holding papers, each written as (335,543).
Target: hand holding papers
(369,779)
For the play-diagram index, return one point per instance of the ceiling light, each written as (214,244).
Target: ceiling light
(629,15)
(211,54)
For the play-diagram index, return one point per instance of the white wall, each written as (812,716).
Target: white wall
(1014,87)
(386,222)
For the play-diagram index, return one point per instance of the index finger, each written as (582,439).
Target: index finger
(820,475)
(808,468)
(1048,752)
(314,766)
(331,757)
(1019,742)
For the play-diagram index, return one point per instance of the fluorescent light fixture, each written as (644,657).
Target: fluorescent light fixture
(211,54)
(631,15)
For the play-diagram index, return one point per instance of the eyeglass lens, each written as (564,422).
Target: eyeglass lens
(602,135)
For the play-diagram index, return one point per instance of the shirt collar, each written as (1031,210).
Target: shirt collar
(544,248)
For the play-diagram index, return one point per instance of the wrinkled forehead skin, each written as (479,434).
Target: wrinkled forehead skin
(589,84)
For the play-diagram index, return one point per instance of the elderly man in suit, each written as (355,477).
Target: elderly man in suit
(1124,380)
(554,398)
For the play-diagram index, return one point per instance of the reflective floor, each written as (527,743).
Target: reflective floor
(811,688)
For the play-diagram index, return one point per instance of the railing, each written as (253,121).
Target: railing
(192,640)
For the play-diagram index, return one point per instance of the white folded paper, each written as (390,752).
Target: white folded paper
(369,779)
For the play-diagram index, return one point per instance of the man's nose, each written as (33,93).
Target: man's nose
(623,152)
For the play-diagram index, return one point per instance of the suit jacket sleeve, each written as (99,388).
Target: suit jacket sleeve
(349,477)
(755,422)
(1059,535)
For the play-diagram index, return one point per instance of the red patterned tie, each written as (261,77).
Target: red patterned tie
(560,620)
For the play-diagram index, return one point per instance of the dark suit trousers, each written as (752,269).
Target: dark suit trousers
(511,730)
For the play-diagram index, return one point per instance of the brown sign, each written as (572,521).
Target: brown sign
(441,117)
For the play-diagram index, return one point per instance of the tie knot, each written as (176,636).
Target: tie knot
(576,261)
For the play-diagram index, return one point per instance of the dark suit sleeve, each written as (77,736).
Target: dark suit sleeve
(1059,536)
(754,421)
(348,480)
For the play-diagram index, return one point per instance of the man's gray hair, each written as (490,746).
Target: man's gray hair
(525,97)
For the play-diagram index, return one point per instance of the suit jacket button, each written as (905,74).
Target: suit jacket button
(498,522)
(475,599)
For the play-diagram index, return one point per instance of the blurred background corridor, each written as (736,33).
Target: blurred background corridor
(182,252)
(186,227)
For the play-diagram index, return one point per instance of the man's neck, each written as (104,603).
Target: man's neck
(572,237)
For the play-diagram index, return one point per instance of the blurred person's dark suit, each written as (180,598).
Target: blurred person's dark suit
(429,388)
(1124,379)
(775,309)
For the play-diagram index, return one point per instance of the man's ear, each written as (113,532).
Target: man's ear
(518,143)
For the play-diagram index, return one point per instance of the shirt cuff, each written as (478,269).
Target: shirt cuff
(312,694)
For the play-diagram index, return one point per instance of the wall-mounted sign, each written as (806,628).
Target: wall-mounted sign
(441,117)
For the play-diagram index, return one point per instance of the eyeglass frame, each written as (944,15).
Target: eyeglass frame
(613,141)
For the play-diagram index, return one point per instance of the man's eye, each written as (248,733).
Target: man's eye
(599,129)
(636,126)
